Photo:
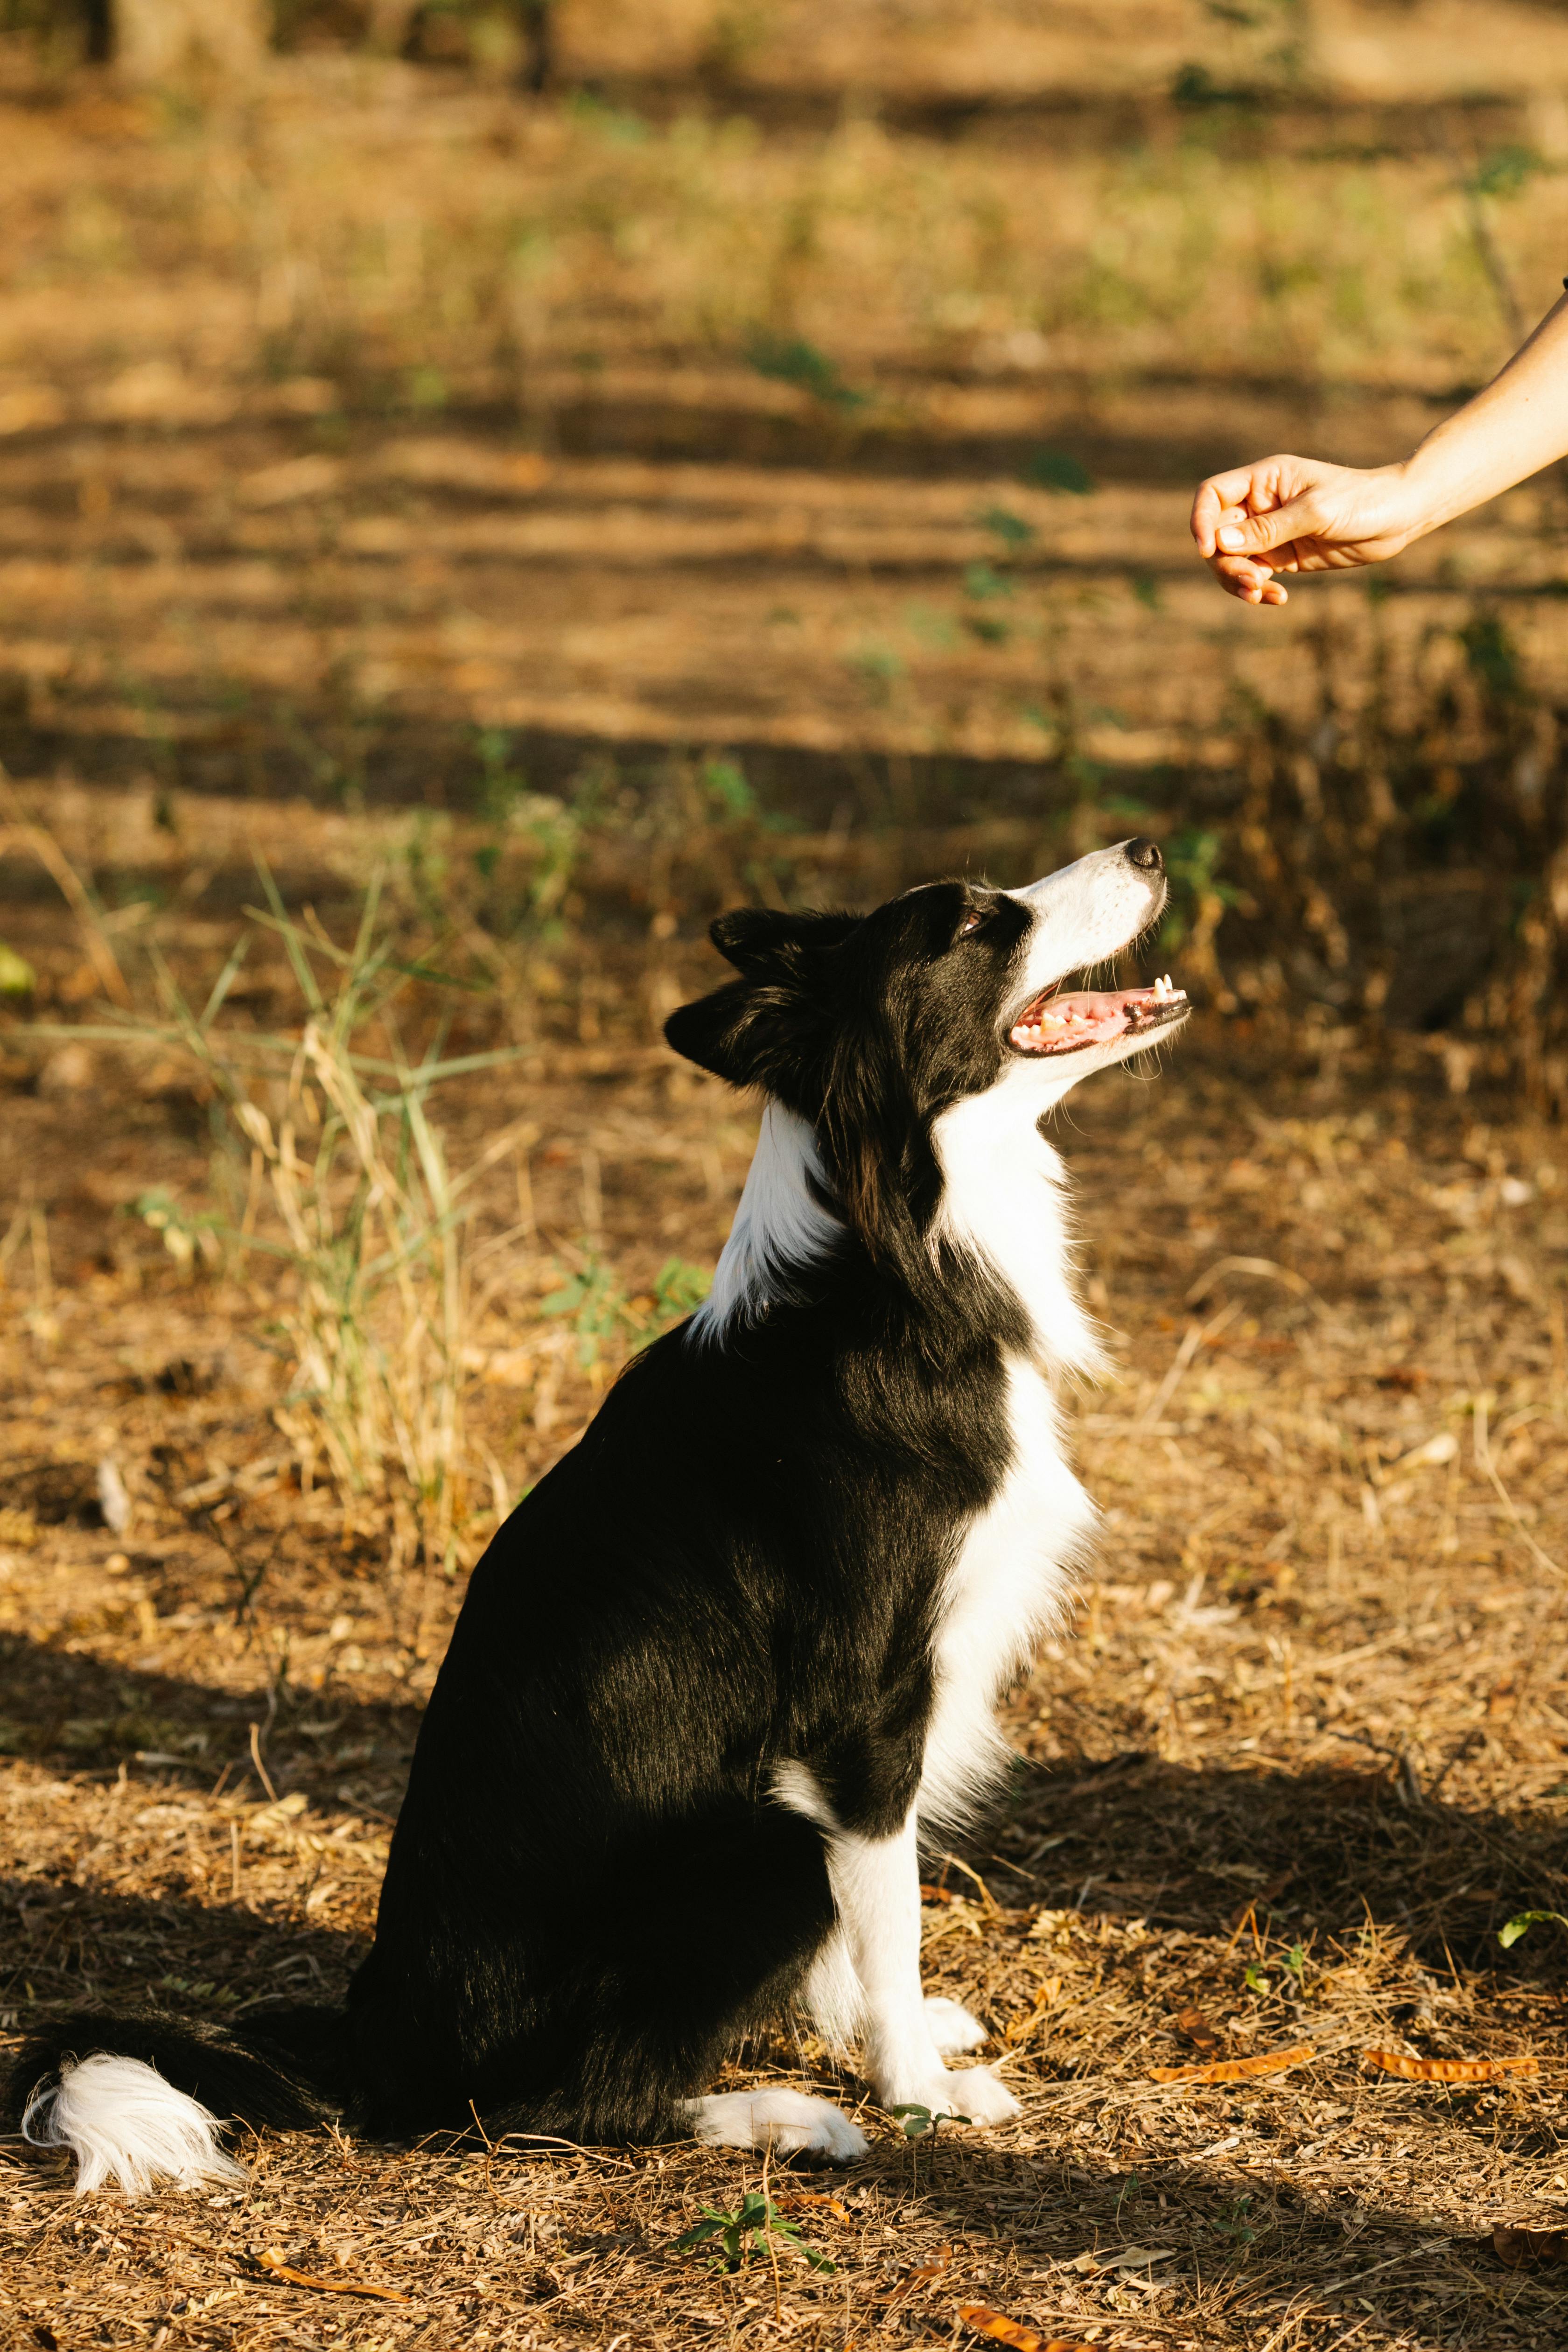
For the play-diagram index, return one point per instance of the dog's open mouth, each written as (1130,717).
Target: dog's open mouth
(1055,1024)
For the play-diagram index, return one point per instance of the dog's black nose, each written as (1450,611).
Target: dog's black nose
(1145,855)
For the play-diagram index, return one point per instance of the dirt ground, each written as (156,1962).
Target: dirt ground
(1300,1754)
(393,488)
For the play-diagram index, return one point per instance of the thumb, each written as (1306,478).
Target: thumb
(1245,534)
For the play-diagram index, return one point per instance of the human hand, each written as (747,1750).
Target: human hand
(1299,514)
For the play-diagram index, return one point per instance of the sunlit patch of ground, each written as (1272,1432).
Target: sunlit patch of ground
(1299,1756)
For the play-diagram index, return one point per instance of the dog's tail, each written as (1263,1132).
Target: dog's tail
(140,2100)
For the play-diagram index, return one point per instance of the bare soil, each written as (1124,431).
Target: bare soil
(1299,1758)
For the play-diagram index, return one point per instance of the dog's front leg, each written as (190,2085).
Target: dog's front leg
(876,1886)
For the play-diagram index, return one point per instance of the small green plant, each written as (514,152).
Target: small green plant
(1234,2223)
(184,1236)
(792,360)
(17,976)
(1060,471)
(745,2233)
(1005,526)
(879,667)
(595,1303)
(678,1288)
(985,582)
(1192,857)
(499,782)
(1256,1982)
(346,1185)
(1506,172)
(200,1988)
(1491,656)
(725,782)
(1509,1934)
(920,2123)
(600,1312)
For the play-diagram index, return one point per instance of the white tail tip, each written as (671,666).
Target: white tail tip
(124,2123)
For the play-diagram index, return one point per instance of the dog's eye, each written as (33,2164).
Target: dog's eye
(971,922)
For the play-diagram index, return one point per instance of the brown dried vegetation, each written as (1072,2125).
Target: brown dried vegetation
(547,608)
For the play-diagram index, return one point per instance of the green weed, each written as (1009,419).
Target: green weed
(595,1304)
(745,2233)
(1509,1934)
(792,360)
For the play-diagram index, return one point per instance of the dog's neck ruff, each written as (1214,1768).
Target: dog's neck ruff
(1002,1205)
(1004,1202)
(780,1227)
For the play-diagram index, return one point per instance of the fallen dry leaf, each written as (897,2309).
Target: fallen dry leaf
(1198,2031)
(1448,2070)
(986,2322)
(906,2286)
(1521,2249)
(814,2197)
(1048,1990)
(1234,2070)
(272,2261)
(1119,2258)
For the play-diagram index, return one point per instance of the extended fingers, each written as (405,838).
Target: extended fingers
(1251,583)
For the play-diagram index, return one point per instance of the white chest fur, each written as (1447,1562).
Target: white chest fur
(1004,1201)
(1009,1581)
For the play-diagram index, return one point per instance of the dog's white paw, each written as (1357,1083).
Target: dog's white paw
(789,2122)
(975,2093)
(953,2028)
(972,2092)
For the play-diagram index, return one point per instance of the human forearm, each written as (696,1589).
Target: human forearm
(1509,431)
(1300,514)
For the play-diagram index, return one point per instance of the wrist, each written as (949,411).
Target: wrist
(1446,475)
(1417,489)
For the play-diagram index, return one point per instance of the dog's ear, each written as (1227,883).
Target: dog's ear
(717,1032)
(770,1027)
(749,936)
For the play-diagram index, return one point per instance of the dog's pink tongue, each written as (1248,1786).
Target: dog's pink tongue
(1082,1020)
(1055,1023)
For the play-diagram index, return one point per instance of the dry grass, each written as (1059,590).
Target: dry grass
(605,433)
(1301,1758)
(542,241)
(386,489)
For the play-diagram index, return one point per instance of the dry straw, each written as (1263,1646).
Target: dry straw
(346,1182)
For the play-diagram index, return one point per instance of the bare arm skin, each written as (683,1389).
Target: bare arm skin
(1301,514)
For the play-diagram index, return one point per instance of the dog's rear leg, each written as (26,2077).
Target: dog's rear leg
(876,1885)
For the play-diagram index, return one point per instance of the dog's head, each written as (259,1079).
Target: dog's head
(871,1026)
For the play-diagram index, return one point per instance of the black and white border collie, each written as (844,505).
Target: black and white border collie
(736,1653)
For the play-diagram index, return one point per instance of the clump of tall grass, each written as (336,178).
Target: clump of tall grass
(1398,859)
(338,1171)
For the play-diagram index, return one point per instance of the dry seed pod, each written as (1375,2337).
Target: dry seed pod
(1192,2022)
(1237,2070)
(986,2322)
(1447,2069)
